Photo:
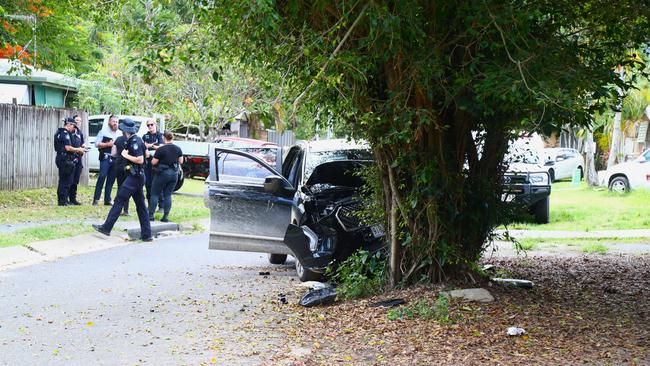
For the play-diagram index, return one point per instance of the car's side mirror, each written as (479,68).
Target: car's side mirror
(277,185)
(560,158)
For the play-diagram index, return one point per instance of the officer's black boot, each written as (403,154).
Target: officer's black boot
(63,201)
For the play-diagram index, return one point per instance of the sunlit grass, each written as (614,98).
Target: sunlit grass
(40,205)
(586,209)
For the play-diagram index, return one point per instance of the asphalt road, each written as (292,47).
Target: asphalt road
(170,302)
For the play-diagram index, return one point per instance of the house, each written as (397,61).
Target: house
(37,87)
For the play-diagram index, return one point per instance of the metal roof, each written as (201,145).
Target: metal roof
(36,76)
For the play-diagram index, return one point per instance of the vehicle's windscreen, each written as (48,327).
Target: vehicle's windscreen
(521,155)
(316,158)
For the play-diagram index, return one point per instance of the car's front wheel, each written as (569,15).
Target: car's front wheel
(277,258)
(306,275)
(551,175)
(619,184)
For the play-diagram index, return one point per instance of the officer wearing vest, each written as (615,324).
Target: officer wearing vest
(152,140)
(134,154)
(65,155)
(77,139)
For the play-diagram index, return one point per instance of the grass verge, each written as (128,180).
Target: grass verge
(40,205)
(586,209)
(42,233)
(595,248)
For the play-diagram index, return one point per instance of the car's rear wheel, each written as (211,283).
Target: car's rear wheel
(619,184)
(541,211)
(582,173)
(551,175)
(277,258)
(306,275)
(179,181)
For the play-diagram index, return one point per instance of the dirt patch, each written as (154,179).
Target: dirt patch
(582,310)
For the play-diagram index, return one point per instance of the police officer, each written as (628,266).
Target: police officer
(65,155)
(119,165)
(132,187)
(77,139)
(152,140)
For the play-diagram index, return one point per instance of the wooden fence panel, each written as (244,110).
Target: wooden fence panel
(27,146)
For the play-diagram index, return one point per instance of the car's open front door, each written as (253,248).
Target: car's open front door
(249,202)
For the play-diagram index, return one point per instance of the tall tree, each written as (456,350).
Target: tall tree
(439,89)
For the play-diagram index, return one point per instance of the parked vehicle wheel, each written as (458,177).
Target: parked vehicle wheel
(306,275)
(180,181)
(277,258)
(619,184)
(541,211)
(582,172)
(551,175)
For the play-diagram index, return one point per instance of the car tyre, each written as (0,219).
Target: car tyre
(582,172)
(541,211)
(179,181)
(277,258)
(619,184)
(306,275)
(551,175)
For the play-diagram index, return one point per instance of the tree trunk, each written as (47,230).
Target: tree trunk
(591,176)
(616,130)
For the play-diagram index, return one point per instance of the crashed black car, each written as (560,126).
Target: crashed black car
(304,205)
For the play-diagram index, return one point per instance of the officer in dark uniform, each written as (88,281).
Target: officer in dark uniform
(65,154)
(152,140)
(119,164)
(77,139)
(132,187)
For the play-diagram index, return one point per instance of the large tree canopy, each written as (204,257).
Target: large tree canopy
(422,79)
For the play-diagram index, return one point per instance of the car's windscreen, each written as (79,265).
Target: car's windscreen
(525,156)
(316,158)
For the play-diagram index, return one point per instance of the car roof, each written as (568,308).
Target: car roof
(122,116)
(333,145)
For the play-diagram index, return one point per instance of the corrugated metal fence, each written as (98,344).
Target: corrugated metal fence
(27,146)
(286,138)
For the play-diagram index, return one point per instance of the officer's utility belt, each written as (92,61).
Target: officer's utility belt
(134,169)
(162,167)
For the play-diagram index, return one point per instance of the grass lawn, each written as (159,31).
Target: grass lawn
(586,245)
(585,209)
(41,233)
(40,205)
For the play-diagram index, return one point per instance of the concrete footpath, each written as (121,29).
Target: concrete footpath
(550,234)
(51,250)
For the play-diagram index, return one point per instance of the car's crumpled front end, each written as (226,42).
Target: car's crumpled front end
(330,228)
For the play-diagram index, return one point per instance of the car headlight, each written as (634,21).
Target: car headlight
(538,178)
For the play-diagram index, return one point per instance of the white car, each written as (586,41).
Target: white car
(562,162)
(98,122)
(633,174)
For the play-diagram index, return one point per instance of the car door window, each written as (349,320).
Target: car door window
(237,168)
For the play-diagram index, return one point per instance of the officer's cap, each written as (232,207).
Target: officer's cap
(70,120)
(127,125)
